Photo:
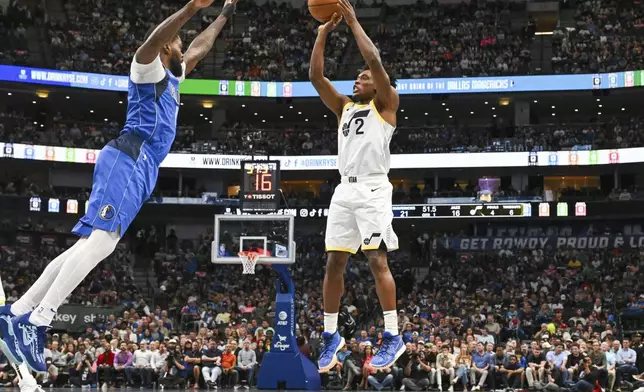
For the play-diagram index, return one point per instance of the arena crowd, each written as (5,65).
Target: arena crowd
(248,138)
(420,40)
(494,320)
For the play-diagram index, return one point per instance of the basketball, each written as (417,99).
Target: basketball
(323,10)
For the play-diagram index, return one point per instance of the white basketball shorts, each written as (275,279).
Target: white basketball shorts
(360,215)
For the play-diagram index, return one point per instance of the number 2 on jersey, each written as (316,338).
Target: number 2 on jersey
(358,119)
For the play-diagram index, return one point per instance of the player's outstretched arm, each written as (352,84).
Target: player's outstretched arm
(202,44)
(167,30)
(329,95)
(386,96)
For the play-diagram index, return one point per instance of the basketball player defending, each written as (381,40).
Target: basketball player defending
(360,214)
(124,177)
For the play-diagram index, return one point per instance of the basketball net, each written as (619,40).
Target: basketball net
(249,261)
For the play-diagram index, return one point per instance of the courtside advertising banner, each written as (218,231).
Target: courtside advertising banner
(486,244)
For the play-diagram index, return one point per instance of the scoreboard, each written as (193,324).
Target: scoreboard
(260,186)
(481,210)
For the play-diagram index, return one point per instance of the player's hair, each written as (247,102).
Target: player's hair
(151,30)
(392,78)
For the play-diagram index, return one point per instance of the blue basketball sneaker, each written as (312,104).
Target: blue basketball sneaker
(391,348)
(331,344)
(8,343)
(31,342)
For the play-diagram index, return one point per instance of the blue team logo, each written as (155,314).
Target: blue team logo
(597,81)
(533,158)
(553,159)
(54,205)
(107,212)
(612,80)
(30,153)
(23,74)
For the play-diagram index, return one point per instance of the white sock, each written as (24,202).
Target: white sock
(37,291)
(391,322)
(20,308)
(42,316)
(330,322)
(98,246)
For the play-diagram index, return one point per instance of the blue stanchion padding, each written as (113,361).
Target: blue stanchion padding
(283,367)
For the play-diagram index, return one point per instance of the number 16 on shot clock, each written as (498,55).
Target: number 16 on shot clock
(260,185)
(263,173)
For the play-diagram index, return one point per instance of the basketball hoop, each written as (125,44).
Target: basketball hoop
(249,261)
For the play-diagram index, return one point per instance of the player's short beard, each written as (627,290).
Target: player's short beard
(175,67)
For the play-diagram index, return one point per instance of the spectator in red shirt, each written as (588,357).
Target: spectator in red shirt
(228,364)
(105,365)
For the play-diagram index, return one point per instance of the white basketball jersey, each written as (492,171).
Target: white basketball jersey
(363,141)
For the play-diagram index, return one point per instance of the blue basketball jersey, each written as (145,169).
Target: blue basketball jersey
(152,112)
(127,168)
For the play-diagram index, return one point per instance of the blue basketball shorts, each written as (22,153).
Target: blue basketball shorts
(124,179)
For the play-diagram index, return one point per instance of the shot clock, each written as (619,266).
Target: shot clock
(260,186)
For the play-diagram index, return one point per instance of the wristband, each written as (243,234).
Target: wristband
(228,10)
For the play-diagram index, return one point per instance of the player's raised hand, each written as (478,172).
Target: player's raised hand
(330,25)
(202,3)
(347,11)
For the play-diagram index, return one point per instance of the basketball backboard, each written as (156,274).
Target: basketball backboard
(269,235)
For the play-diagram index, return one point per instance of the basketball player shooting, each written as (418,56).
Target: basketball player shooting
(360,214)
(124,176)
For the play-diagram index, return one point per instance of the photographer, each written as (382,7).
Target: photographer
(175,367)
(48,379)
(85,372)
(417,373)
